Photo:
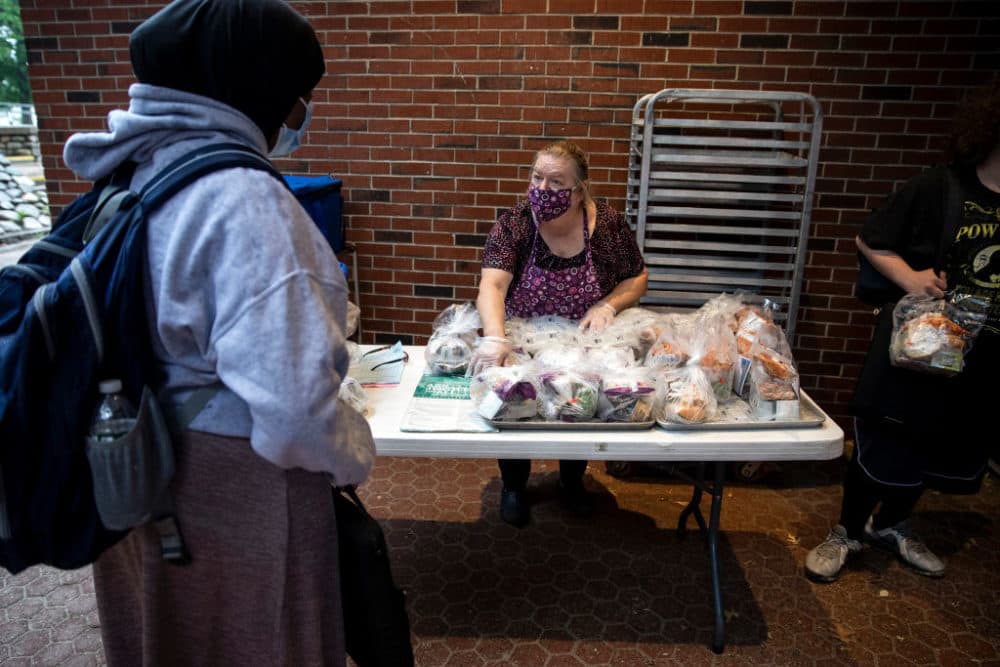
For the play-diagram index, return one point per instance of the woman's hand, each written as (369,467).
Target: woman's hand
(926,282)
(491,351)
(895,268)
(598,317)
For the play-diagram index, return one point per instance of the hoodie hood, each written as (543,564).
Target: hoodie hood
(156,117)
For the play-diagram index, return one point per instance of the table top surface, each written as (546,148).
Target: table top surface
(387,405)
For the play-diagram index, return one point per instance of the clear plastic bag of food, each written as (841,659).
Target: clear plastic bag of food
(559,355)
(353,317)
(687,396)
(612,357)
(627,395)
(636,327)
(933,335)
(538,332)
(772,358)
(756,322)
(625,330)
(773,385)
(353,351)
(672,348)
(505,393)
(352,393)
(756,330)
(713,348)
(650,327)
(568,395)
(723,307)
(453,340)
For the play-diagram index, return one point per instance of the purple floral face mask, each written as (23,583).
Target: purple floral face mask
(548,204)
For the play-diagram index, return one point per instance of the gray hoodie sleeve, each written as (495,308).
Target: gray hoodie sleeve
(249,290)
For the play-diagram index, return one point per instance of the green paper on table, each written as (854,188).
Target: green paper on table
(441,403)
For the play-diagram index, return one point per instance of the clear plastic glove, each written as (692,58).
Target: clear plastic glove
(490,351)
(598,317)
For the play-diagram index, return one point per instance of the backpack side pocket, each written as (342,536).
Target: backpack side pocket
(131,474)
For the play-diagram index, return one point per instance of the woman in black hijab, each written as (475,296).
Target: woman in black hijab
(248,299)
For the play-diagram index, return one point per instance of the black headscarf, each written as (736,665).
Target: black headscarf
(258,56)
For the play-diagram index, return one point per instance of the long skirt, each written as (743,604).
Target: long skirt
(262,587)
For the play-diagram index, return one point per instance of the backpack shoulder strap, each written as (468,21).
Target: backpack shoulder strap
(187,169)
(112,196)
(176,176)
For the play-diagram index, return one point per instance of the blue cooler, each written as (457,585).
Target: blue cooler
(320,197)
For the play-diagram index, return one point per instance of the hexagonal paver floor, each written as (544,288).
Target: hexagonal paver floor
(621,588)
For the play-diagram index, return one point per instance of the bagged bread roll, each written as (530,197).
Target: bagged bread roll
(453,340)
(687,396)
(933,335)
(449,353)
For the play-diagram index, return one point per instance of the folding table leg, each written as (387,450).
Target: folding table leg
(711,532)
(719,638)
(694,506)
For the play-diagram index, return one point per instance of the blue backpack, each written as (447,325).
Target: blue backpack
(73,311)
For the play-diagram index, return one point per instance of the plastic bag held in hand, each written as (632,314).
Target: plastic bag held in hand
(598,317)
(490,351)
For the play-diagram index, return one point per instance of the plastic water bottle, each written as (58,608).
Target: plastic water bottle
(115,415)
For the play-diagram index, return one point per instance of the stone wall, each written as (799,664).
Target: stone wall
(20,141)
(24,204)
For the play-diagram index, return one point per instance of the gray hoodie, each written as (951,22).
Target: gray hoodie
(246,290)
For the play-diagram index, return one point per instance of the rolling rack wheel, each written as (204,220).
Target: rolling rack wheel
(749,471)
(619,469)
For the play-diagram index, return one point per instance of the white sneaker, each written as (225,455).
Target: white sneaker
(899,540)
(825,562)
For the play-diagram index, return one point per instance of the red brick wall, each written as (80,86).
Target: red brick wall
(432,109)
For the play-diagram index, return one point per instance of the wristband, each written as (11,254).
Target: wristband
(605,304)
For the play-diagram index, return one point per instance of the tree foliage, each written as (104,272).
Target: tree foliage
(14,84)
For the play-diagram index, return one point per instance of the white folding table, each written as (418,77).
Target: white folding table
(715,447)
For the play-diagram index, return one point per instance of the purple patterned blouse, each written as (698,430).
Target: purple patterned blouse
(615,254)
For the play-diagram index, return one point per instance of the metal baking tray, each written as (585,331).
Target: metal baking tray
(735,415)
(539,425)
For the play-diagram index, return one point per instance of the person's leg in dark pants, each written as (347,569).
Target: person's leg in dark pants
(897,506)
(886,471)
(514,473)
(896,461)
(574,496)
(861,496)
(513,504)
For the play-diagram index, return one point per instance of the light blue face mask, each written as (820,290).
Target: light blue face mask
(289,139)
